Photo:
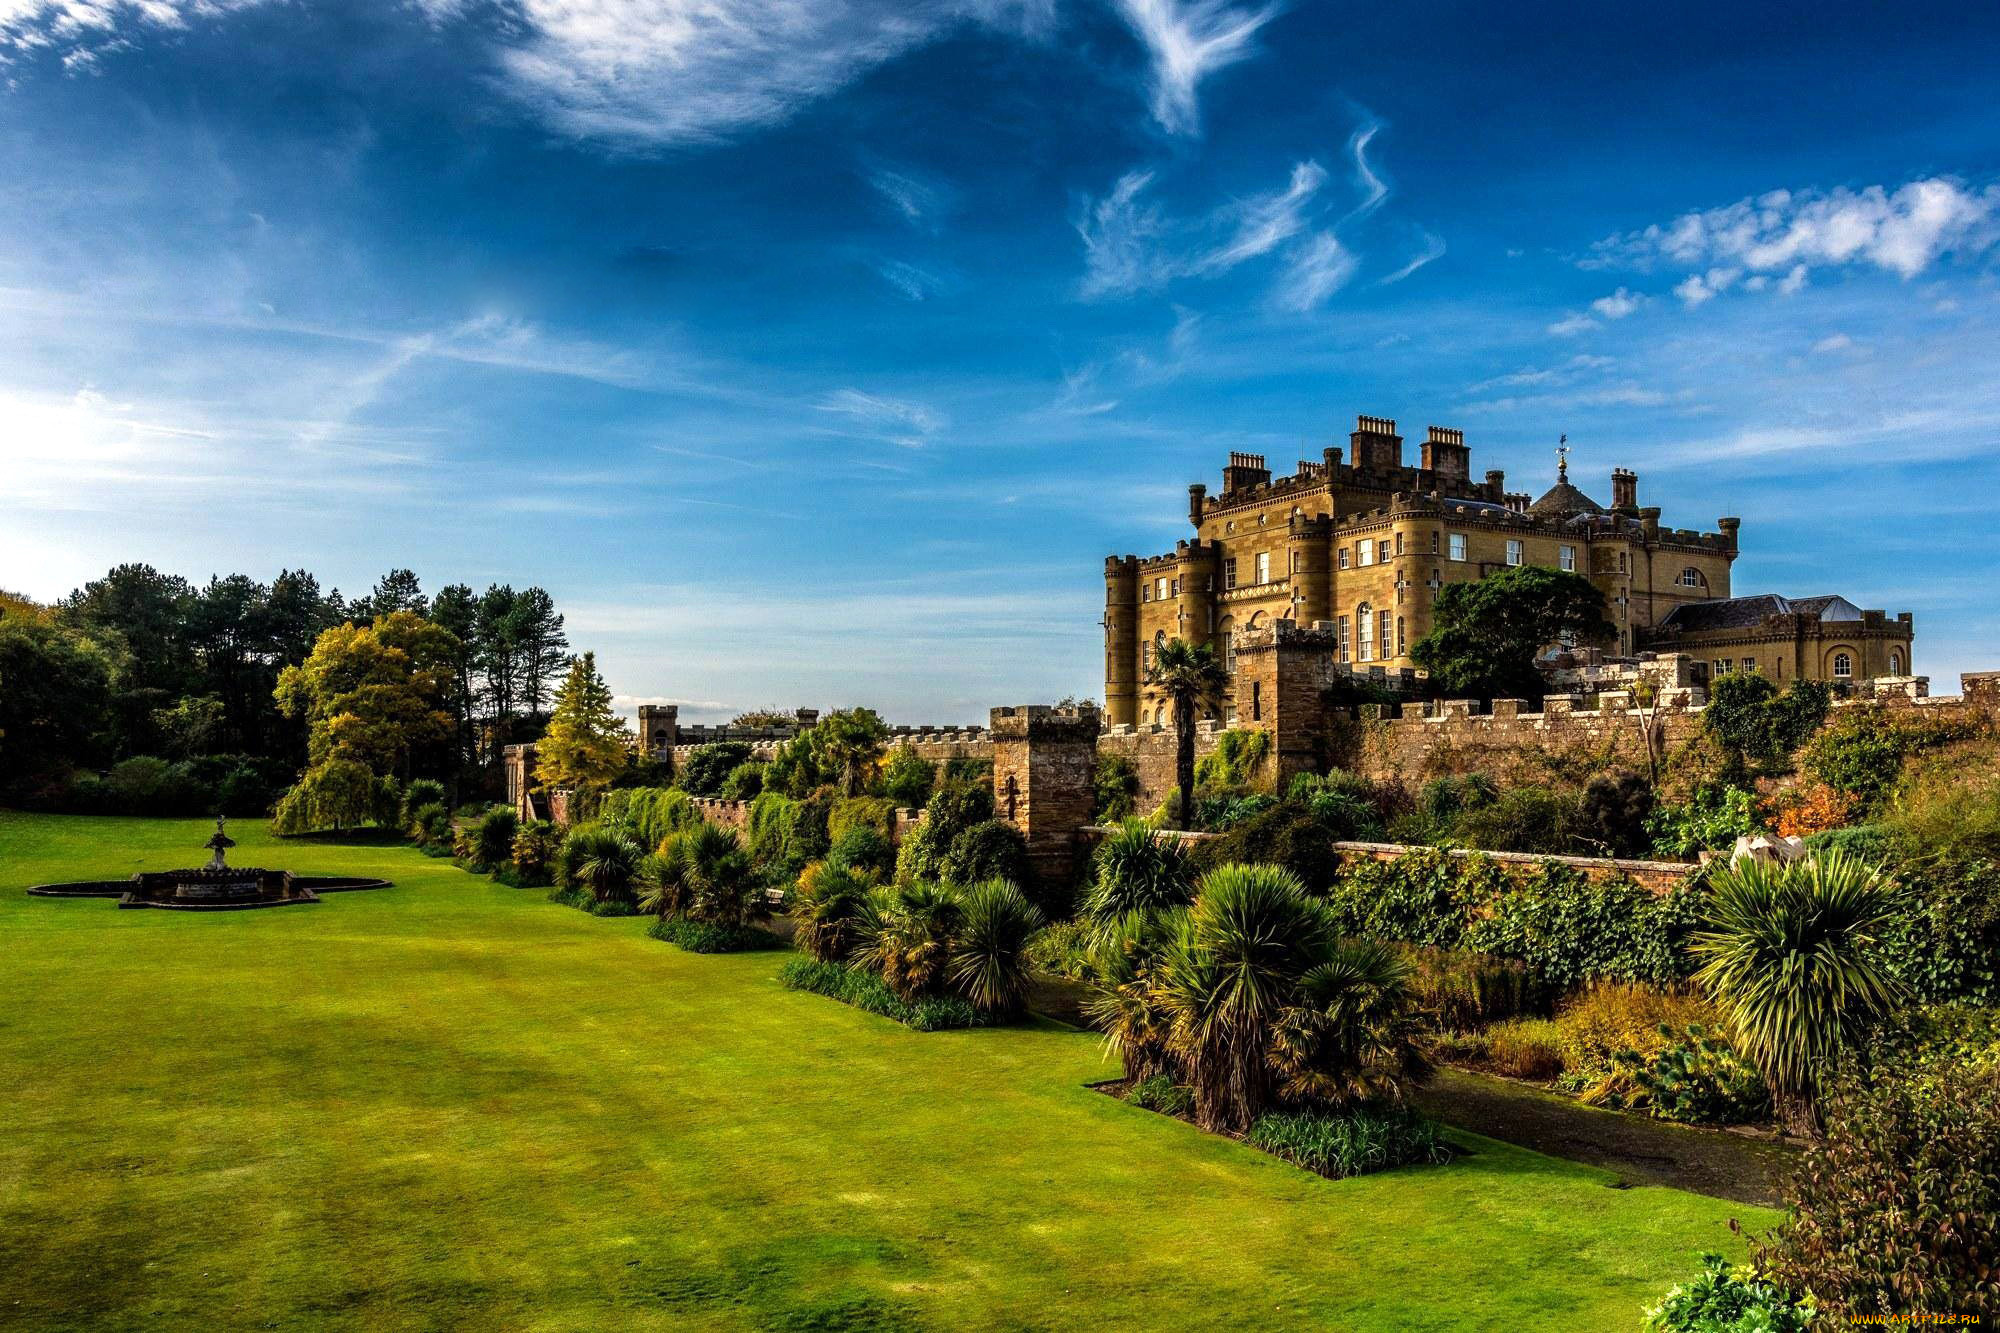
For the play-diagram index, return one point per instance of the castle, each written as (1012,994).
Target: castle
(1358,551)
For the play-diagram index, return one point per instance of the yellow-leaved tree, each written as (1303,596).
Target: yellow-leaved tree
(586,745)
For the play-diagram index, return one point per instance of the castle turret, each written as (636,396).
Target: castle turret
(1310,546)
(1121,639)
(1194,573)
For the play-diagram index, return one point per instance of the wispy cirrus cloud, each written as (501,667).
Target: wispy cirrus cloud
(81,31)
(899,421)
(1186,41)
(1318,269)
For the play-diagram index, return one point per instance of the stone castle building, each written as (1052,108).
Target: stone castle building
(1357,548)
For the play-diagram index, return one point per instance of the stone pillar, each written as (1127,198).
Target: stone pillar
(1044,760)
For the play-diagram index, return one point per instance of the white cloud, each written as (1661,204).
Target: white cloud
(1573,324)
(1433,249)
(1833,342)
(1318,268)
(912,282)
(917,200)
(1617,305)
(1264,221)
(1187,41)
(83,29)
(1118,234)
(896,420)
(1904,231)
(1373,188)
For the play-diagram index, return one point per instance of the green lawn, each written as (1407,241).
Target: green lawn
(452,1104)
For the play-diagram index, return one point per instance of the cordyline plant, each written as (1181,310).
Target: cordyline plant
(1786,950)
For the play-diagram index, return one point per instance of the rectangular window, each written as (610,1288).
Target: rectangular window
(1295,562)
(1382,552)
(1159,590)
(1343,557)
(1399,543)
(1402,643)
(1229,653)
(1145,592)
(1383,621)
(1566,558)
(1513,552)
(1263,566)
(1458,546)
(1364,629)
(1229,572)
(1722,667)
(1365,553)
(1343,639)
(1434,541)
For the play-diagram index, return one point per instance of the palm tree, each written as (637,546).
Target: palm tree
(1787,953)
(1127,1007)
(705,875)
(1139,872)
(1189,675)
(831,911)
(1351,1034)
(909,940)
(606,863)
(989,953)
(1252,932)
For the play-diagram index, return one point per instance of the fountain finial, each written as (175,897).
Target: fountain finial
(218,842)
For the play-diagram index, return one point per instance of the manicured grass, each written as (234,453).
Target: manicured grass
(453,1104)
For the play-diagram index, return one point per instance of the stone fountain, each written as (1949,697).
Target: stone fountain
(217,886)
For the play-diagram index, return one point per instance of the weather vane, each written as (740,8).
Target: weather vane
(1562,457)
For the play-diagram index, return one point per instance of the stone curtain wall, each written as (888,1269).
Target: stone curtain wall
(1151,751)
(936,744)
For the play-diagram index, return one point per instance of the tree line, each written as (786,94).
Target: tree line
(144,664)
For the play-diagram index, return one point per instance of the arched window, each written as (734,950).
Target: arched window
(1843,666)
(1364,629)
(1690,577)
(1402,640)
(1895,664)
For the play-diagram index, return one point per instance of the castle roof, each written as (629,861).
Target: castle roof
(1563,500)
(1747,612)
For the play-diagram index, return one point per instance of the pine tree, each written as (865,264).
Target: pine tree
(586,744)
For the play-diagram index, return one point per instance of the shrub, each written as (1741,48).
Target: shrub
(1445,798)
(338,794)
(1729,1300)
(1233,764)
(1614,811)
(418,793)
(430,824)
(1523,819)
(651,814)
(144,785)
(920,856)
(1593,1026)
(1712,820)
(1569,929)
(1897,1210)
(1353,1143)
(864,990)
(1115,789)
(907,778)
(1283,835)
(709,766)
(989,961)
(744,782)
(1160,1093)
(1425,896)
(1803,811)
(1951,804)
(994,849)
(1696,1079)
(873,814)
(786,833)
(1940,939)
(1527,1048)
(864,851)
(1787,951)
(1747,714)
(703,874)
(1862,752)
(1065,949)
(710,937)
(534,852)
(492,837)
(1455,989)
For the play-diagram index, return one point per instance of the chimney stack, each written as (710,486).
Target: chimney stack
(1624,490)
(1243,472)
(1447,459)
(1377,447)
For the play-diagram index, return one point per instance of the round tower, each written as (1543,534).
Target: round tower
(1310,549)
(1121,640)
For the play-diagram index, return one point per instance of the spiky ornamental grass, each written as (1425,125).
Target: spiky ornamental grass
(989,953)
(1786,951)
(1139,872)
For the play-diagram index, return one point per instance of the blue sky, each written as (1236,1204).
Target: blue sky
(818,352)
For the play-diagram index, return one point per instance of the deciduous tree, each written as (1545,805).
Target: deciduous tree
(1485,635)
